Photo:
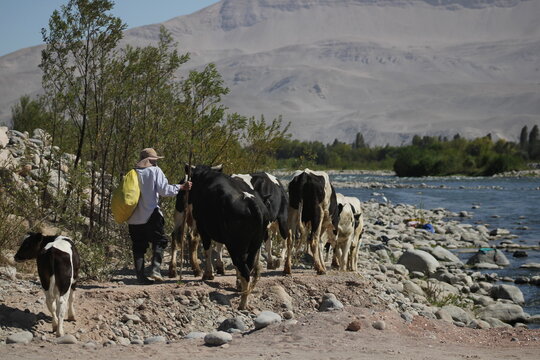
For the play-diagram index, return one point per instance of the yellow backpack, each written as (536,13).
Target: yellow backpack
(125,197)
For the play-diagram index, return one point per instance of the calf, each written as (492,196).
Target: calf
(58,267)
(312,205)
(226,213)
(356,207)
(272,191)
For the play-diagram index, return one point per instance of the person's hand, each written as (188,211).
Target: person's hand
(186,185)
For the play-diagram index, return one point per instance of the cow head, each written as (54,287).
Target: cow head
(29,248)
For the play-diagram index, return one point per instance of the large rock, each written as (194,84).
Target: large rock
(442,254)
(458,314)
(508,313)
(330,303)
(235,323)
(490,256)
(509,292)
(418,260)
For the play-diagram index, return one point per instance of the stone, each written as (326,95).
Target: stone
(23,337)
(330,303)
(496,323)
(407,316)
(90,345)
(9,272)
(458,314)
(534,319)
(508,313)
(232,323)
(281,297)
(442,314)
(509,292)
(530,266)
(354,326)
(131,317)
(266,318)
(155,340)
(379,325)
(123,341)
(66,339)
(220,298)
(418,260)
(195,335)
(288,315)
(217,338)
(411,288)
(488,255)
(499,232)
(443,254)
(485,266)
(520,254)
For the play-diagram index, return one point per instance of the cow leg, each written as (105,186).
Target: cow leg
(61,308)
(194,253)
(71,309)
(292,221)
(220,266)
(174,253)
(268,246)
(315,242)
(51,305)
(208,270)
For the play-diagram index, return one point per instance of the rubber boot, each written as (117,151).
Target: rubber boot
(139,271)
(156,264)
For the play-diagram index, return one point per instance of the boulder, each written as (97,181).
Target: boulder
(490,256)
(418,260)
(509,292)
(508,313)
(458,314)
(442,254)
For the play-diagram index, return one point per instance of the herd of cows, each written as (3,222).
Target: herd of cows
(239,212)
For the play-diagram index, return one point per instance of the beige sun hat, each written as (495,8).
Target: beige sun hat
(147,158)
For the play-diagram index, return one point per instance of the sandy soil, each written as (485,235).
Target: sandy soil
(314,335)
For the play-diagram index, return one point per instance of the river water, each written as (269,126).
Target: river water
(499,202)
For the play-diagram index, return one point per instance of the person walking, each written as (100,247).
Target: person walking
(146,224)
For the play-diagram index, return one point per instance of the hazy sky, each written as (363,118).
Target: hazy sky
(21,20)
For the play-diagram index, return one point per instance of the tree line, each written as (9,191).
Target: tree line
(425,156)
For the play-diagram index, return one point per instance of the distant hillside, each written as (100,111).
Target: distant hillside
(386,68)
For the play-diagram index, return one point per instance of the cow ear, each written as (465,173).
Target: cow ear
(218,168)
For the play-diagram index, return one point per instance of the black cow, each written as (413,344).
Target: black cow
(275,198)
(228,214)
(312,205)
(58,265)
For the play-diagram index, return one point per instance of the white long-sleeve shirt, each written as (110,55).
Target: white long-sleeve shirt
(153,184)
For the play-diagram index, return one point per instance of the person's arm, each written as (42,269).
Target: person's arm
(162,185)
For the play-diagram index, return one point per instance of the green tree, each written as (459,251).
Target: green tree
(534,143)
(29,114)
(523,137)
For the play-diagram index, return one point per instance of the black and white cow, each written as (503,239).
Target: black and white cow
(272,191)
(228,214)
(58,265)
(312,206)
(350,228)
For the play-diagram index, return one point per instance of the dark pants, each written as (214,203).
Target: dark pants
(150,233)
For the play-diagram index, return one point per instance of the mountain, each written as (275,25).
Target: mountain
(387,68)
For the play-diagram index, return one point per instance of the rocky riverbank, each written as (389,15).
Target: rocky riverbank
(403,269)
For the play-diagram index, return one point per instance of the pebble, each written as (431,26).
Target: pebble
(354,326)
(195,335)
(330,303)
(90,345)
(233,323)
(266,318)
(155,340)
(379,325)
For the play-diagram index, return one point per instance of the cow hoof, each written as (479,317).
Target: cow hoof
(208,277)
(71,318)
(220,270)
(321,272)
